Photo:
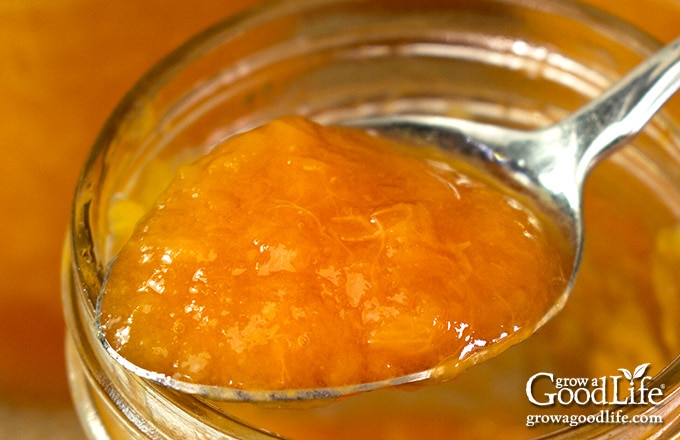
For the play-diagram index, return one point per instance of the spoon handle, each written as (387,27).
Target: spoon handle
(622,111)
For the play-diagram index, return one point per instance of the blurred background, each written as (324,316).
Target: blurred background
(63,67)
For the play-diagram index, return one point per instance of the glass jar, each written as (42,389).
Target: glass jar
(509,62)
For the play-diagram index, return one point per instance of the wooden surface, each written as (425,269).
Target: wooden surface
(63,66)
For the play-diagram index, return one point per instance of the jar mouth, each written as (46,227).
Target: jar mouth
(224,68)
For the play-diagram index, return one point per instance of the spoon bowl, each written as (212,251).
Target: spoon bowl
(548,166)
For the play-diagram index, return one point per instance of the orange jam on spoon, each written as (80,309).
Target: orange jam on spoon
(301,256)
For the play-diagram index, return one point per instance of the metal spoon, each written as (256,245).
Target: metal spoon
(548,165)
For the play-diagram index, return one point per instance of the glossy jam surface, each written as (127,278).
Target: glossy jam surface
(623,312)
(302,256)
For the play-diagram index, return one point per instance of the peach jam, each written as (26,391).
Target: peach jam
(326,256)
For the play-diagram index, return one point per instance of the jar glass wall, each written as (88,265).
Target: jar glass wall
(515,63)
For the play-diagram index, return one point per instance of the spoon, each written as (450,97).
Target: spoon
(547,165)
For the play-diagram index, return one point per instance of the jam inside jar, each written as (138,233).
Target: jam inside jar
(504,62)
